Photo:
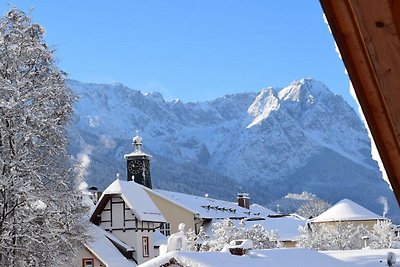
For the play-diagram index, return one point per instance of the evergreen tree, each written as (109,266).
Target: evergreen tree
(40,208)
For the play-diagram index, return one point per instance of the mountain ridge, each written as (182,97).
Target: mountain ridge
(265,143)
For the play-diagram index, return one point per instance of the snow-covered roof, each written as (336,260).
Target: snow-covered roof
(286,227)
(137,153)
(261,210)
(346,210)
(102,247)
(365,257)
(136,198)
(209,208)
(255,258)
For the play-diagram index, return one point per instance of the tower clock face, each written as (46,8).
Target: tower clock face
(136,166)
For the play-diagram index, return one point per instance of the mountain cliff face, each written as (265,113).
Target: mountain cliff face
(281,140)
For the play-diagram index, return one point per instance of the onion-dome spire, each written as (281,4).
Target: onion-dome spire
(137,142)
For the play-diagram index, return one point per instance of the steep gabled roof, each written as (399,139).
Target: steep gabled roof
(103,248)
(135,197)
(347,210)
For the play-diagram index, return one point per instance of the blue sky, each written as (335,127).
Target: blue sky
(191,50)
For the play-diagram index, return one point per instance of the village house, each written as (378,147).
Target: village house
(348,211)
(104,250)
(196,212)
(125,220)
(131,220)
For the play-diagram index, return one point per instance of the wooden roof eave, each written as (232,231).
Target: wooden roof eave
(367,35)
(96,215)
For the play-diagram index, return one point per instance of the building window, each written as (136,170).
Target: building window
(165,229)
(145,246)
(87,262)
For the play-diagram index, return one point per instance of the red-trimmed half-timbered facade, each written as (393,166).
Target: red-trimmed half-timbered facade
(126,211)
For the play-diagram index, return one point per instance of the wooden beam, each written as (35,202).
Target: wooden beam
(367,35)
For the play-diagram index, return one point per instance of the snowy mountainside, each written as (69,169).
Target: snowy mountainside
(281,140)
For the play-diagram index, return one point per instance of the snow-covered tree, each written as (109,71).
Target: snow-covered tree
(338,236)
(261,237)
(226,231)
(382,235)
(311,237)
(197,242)
(346,236)
(312,206)
(40,207)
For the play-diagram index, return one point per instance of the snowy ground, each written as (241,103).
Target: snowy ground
(365,258)
(257,258)
(279,257)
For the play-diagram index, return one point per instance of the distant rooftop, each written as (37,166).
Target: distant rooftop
(209,208)
(347,210)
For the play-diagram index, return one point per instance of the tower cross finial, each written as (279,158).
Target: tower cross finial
(137,142)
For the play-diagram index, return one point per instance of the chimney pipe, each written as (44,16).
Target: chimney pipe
(243,200)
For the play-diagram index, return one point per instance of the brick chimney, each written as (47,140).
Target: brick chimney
(243,200)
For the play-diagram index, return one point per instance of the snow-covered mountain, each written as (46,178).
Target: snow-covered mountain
(281,140)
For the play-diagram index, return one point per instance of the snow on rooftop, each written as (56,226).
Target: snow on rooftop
(261,210)
(137,153)
(255,258)
(364,258)
(137,200)
(210,208)
(346,210)
(104,249)
(286,227)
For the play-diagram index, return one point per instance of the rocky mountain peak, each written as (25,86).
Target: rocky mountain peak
(298,138)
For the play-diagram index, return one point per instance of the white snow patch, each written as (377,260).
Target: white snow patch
(364,258)
(38,205)
(263,105)
(256,258)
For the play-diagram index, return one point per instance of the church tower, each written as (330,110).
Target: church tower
(138,163)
